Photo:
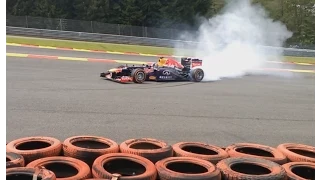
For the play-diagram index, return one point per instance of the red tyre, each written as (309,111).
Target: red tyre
(32,148)
(187,168)
(29,173)
(128,166)
(66,168)
(298,152)
(300,170)
(250,168)
(256,150)
(200,150)
(88,148)
(152,149)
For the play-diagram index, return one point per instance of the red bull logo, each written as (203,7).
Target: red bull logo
(173,63)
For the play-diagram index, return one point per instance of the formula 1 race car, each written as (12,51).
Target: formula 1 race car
(166,69)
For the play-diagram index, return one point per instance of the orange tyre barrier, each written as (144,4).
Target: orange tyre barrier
(88,148)
(130,166)
(200,150)
(152,149)
(300,170)
(14,160)
(65,168)
(32,148)
(29,173)
(256,150)
(298,152)
(250,168)
(187,168)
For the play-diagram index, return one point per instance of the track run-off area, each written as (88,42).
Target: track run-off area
(65,97)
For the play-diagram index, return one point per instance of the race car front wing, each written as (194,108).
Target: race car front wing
(122,79)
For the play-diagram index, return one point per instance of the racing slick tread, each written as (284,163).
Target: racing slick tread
(29,173)
(200,150)
(241,168)
(14,160)
(36,147)
(187,168)
(256,150)
(152,149)
(61,166)
(134,167)
(193,74)
(298,152)
(300,170)
(88,148)
(134,75)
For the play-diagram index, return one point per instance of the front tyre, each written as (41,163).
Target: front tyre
(197,74)
(138,75)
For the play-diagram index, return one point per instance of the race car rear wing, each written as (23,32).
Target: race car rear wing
(191,62)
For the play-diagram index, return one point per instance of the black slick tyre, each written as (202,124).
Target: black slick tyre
(138,76)
(197,74)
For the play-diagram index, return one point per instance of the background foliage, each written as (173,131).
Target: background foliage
(298,15)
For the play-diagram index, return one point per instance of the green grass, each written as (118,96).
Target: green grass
(89,45)
(118,47)
(310,60)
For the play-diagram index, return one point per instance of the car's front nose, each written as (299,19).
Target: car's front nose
(103,74)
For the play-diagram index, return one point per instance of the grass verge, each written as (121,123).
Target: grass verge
(118,47)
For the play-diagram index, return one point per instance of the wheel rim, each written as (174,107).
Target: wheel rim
(140,76)
(198,75)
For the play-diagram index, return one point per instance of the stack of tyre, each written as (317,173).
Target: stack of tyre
(93,157)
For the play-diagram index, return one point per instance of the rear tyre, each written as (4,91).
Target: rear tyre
(138,75)
(197,74)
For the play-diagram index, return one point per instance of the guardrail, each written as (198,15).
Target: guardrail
(109,38)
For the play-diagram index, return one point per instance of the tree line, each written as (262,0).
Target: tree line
(298,15)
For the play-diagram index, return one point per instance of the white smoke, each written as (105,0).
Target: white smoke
(232,41)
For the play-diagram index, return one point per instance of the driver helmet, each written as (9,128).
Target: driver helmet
(162,61)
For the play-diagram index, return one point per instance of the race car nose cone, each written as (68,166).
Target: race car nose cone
(102,75)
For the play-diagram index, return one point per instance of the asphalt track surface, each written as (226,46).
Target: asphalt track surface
(65,98)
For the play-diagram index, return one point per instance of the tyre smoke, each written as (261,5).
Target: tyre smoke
(233,42)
